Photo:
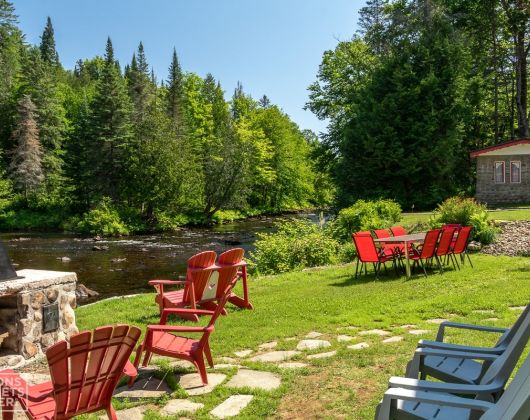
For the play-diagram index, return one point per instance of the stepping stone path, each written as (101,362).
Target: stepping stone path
(243,353)
(483,311)
(184,364)
(134,413)
(395,339)
(254,379)
(146,387)
(359,346)
(232,406)
(322,355)
(290,339)
(224,359)
(312,344)
(375,332)
(268,346)
(343,338)
(292,365)
(517,308)
(275,356)
(313,334)
(178,406)
(436,321)
(193,385)
(226,366)
(407,326)
(419,332)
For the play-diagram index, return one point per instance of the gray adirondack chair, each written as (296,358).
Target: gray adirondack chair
(399,403)
(452,368)
(491,385)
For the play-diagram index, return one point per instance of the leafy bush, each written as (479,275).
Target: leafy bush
(466,212)
(103,219)
(365,215)
(296,244)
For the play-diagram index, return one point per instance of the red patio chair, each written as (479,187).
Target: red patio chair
(444,246)
(84,374)
(367,252)
(387,249)
(427,250)
(460,245)
(200,268)
(457,227)
(162,339)
(398,231)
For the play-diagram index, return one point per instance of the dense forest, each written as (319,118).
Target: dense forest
(112,145)
(420,85)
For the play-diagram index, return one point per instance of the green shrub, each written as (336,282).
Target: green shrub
(297,244)
(466,212)
(104,220)
(364,215)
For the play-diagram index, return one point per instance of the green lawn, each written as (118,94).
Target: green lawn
(331,301)
(410,219)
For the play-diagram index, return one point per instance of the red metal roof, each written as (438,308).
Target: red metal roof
(479,152)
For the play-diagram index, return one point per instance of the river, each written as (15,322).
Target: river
(129,262)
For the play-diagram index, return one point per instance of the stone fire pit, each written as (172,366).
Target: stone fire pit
(35,312)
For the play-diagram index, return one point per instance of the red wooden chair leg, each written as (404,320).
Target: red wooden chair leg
(136,363)
(111,413)
(8,405)
(147,358)
(199,361)
(208,355)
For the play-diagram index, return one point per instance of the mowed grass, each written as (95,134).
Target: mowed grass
(332,302)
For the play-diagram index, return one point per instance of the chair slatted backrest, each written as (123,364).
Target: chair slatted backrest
(429,243)
(229,265)
(366,250)
(398,231)
(515,402)
(381,233)
(445,240)
(500,369)
(508,335)
(456,226)
(200,269)
(85,372)
(462,239)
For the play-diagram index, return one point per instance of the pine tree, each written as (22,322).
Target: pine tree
(141,90)
(26,162)
(47,46)
(264,101)
(175,94)
(110,130)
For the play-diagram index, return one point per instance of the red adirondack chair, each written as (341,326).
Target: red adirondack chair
(84,374)
(460,245)
(368,253)
(427,250)
(231,264)
(200,268)
(161,339)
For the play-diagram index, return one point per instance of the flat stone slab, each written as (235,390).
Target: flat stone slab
(375,331)
(313,334)
(268,346)
(232,406)
(292,365)
(254,379)
(134,413)
(322,355)
(290,339)
(179,406)
(193,385)
(419,332)
(395,339)
(275,356)
(437,321)
(146,387)
(345,338)
(243,353)
(516,308)
(226,366)
(184,364)
(312,344)
(359,346)
(224,359)
(483,311)
(407,326)
(36,279)
(491,319)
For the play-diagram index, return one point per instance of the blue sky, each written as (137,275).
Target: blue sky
(273,47)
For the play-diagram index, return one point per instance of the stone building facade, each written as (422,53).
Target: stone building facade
(503,173)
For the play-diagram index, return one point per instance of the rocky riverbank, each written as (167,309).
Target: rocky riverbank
(514,240)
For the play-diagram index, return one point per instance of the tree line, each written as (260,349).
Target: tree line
(153,150)
(420,85)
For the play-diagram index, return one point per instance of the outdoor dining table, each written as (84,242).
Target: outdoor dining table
(405,240)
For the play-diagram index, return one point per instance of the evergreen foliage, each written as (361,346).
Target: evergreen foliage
(47,46)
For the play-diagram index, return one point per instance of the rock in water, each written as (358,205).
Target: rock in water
(82,291)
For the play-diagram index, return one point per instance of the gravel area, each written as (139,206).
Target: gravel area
(514,240)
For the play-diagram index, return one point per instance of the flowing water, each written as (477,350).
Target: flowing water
(128,263)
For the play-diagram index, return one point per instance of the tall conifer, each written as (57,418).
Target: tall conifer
(47,46)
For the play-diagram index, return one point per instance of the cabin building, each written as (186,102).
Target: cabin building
(503,173)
